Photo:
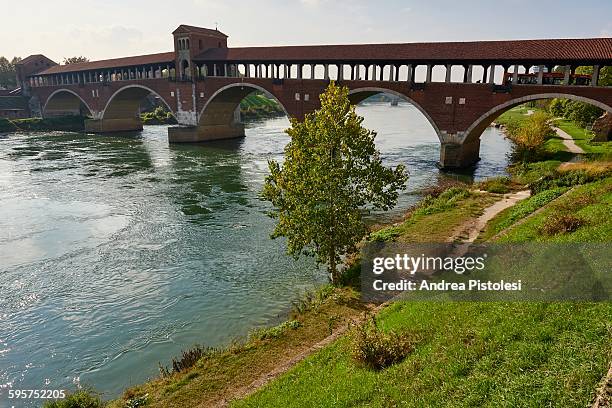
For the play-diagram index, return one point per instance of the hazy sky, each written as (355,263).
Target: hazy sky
(114,28)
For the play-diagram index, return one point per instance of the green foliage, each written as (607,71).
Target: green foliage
(605,74)
(8,74)
(273,332)
(79,399)
(331,174)
(581,113)
(256,105)
(75,60)
(376,349)
(522,209)
(188,359)
(61,123)
(445,201)
(498,185)
(159,116)
(529,136)
(567,179)
(557,107)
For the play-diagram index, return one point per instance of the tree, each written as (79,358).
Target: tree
(8,77)
(75,60)
(529,137)
(332,172)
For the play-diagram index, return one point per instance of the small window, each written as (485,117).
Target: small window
(297,96)
(200,44)
(219,44)
(187,44)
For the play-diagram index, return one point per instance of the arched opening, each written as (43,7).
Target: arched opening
(475,130)
(185,71)
(233,108)
(406,135)
(64,102)
(134,105)
(561,141)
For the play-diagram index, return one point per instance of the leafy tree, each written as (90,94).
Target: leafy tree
(331,174)
(529,137)
(605,74)
(75,60)
(7,72)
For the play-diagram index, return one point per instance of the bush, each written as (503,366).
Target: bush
(377,350)
(79,399)
(188,359)
(445,201)
(560,224)
(569,178)
(159,116)
(499,185)
(581,113)
(529,137)
(273,332)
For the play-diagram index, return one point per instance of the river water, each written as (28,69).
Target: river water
(117,252)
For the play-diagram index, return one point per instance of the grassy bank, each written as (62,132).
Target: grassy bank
(63,123)
(258,106)
(476,354)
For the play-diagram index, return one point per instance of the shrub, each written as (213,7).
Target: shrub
(529,137)
(445,201)
(79,399)
(188,359)
(377,350)
(560,224)
(274,332)
(569,178)
(499,185)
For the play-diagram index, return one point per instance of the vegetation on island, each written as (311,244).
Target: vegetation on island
(330,174)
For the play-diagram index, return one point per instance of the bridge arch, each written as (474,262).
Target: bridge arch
(64,102)
(124,102)
(359,94)
(220,108)
(475,130)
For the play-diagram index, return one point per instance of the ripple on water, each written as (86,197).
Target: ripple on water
(119,251)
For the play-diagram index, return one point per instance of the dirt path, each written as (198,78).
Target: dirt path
(568,141)
(604,394)
(469,231)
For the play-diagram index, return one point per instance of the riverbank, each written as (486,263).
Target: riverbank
(255,106)
(544,336)
(63,123)
(535,356)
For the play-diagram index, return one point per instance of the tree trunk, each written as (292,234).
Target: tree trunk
(333,273)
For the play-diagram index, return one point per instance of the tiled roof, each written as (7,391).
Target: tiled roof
(160,58)
(200,30)
(594,49)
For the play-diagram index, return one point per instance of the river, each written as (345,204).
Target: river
(117,252)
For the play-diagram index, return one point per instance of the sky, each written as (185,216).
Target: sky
(115,28)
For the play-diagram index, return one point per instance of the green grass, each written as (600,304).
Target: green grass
(436,218)
(592,202)
(470,355)
(582,138)
(214,376)
(518,113)
(511,215)
(474,354)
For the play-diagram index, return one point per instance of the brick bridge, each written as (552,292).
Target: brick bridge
(460,87)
